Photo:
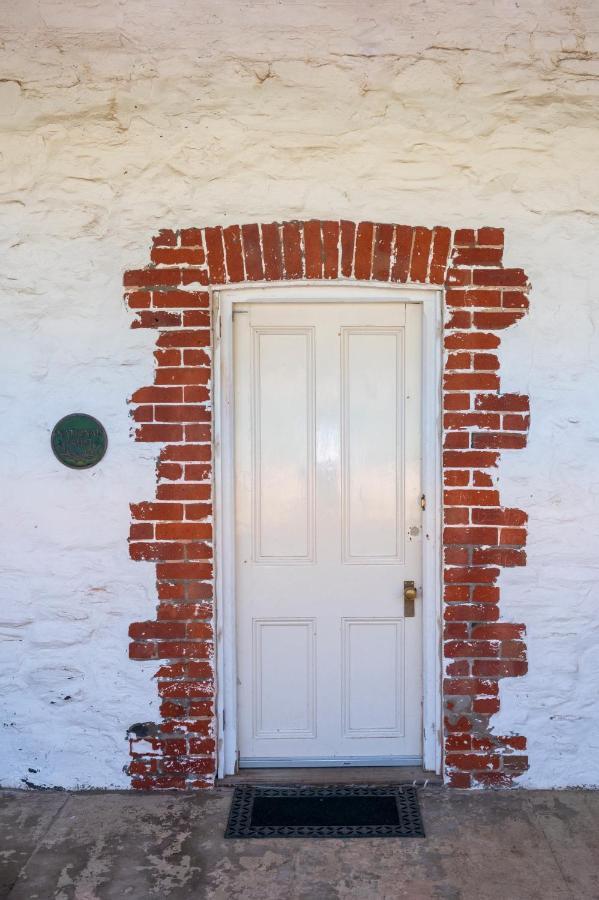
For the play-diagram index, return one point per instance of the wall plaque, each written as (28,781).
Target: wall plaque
(79,441)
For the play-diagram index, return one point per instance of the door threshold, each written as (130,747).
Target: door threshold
(334,775)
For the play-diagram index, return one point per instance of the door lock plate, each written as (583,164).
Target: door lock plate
(409,595)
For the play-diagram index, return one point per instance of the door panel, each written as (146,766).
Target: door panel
(327,433)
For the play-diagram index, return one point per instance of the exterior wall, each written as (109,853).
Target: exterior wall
(118,121)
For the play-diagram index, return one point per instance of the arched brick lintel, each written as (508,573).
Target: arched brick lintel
(174,529)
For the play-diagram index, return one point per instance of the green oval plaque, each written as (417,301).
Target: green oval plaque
(79,441)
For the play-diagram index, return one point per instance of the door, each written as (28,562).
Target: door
(328,529)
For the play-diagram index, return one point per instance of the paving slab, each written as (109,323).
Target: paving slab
(513,845)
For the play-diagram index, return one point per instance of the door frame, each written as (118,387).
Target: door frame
(224,301)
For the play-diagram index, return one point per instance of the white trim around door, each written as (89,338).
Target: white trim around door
(224,301)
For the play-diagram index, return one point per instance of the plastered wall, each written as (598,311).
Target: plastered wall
(118,120)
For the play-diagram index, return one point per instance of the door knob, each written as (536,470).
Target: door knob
(409,595)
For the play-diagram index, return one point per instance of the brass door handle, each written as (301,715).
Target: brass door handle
(409,595)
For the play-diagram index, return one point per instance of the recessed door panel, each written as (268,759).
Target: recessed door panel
(328,528)
(284,678)
(373,677)
(372,432)
(283,445)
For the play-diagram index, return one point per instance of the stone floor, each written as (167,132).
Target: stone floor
(91,846)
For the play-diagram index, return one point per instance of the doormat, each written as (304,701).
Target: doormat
(320,811)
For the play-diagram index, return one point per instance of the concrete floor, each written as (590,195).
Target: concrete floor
(93,846)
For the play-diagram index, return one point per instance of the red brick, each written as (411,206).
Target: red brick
(478,256)
(459,361)
(515,537)
(456,401)
(198,337)
(330,246)
(514,300)
(292,250)
(158,433)
(139,299)
(500,277)
(469,687)
(180,299)
(464,237)
(439,255)
(198,510)
(499,556)
(471,612)
(516,423)
(165,238)
(456,478)
(185,491)
(472,761)
(171,611)
(457,440)
(470,420)
(313,249)
(490,236)
(469,459)
(166,512)
(485,361)
(470,536)
(194,276)
(500,668)
(216,255)
(182,375)
(177,571)
(507,441)
(499,631)
(143,651)
(191,237)
(184,531)
(152,551)
(151,277)
(196,318)
(473,298)
(348,239)
(458,277)
(501,516)
(457,593)
(156,319)
(402,253)
(464,381)
(456,515)
(363,257)
(169,357)
(252,252)
(156,630)
(233,253)
(471,341)
(460,318)
(483,593)
(271,247)
(485,705)
(472,497)
(381,261)
(502,402)
(193,453)
(453,649)
(171,256)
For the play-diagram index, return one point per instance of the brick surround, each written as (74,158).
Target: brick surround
(174,529)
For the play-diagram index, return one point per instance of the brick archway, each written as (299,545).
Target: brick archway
(174,529)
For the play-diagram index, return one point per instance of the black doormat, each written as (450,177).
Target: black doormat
(329,810)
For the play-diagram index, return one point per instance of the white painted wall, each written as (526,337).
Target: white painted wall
(118,119)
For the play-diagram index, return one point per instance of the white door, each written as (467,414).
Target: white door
(328,529)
